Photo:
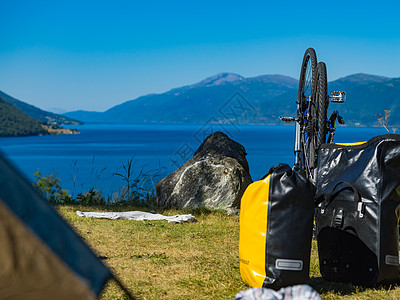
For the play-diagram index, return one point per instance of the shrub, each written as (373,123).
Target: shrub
(93,197)
(138,189)
(49,186)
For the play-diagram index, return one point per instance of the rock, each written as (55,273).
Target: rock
(220,143)
(216,177)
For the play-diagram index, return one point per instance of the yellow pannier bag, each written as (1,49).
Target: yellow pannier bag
(276,220)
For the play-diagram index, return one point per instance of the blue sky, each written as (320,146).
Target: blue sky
(93,55)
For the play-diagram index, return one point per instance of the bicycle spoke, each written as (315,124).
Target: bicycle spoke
(308,82)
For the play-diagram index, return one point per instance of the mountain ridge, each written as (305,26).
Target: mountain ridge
(220,78)
(13,122)
(203,98)
(363,78)
(18,118)
(37,113)
(266,96)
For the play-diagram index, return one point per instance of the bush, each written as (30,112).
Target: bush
(137,190)
(93,197)
(49,186)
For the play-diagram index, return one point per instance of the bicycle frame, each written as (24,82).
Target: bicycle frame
(300,127)
(301,162)
(297,147)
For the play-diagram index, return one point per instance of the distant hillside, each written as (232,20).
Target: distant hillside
(212,98)
(37,113)
(14,122)
(228,98)
(367,96)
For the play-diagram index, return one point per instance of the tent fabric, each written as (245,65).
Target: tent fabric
(38,246)
(29,269)
(137,216)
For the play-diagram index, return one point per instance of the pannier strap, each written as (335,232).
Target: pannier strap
(332,194)
(318,199)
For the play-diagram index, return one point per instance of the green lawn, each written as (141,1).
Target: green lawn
(199,260)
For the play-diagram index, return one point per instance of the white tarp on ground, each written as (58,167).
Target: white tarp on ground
(136,215)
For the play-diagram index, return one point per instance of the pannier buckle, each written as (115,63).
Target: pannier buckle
(339,219)
(361,209)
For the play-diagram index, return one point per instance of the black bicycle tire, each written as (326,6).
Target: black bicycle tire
(309,55)
(311,141)
(316,126)
(317,121)
(323,103)
(309,59)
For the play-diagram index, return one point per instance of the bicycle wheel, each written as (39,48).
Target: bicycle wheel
(308,74)
(306,95)
(317,121)
(322,100)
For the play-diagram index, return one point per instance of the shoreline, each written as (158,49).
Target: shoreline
(59,130)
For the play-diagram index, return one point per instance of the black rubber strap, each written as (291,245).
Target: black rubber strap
(332,194)
(318,199)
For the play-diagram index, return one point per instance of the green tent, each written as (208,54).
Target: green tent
(41,256)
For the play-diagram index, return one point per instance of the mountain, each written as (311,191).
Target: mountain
(362,79)
(231,98)
(37,113)
(13,122)
(219,79)
(368,96)
(211,99)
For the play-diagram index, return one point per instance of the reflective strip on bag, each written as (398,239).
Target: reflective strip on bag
(289,264)
(392,260)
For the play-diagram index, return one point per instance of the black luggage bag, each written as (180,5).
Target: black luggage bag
(276,219)
(356,221)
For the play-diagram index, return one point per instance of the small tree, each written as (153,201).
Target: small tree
(49,186)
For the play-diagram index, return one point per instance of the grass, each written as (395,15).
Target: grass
(160,260)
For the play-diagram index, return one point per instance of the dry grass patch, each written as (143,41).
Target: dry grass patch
(160,260)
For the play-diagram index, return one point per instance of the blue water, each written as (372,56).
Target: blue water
(89,159)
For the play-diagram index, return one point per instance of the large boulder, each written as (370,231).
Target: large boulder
(216,177)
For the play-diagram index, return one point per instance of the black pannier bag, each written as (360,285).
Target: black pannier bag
(356,222)
(276,220)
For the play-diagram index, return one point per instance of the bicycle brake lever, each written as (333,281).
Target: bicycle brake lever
(287,119)
(333,117)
